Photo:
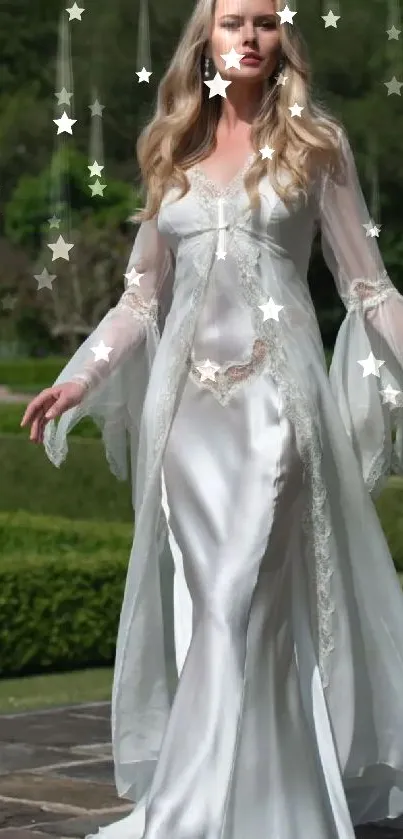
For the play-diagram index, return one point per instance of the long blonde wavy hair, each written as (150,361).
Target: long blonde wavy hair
(183,130)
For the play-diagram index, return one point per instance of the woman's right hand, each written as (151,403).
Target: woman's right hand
(49,404)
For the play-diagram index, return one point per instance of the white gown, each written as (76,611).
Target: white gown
(256,471)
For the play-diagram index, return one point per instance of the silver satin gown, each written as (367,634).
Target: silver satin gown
(256,742)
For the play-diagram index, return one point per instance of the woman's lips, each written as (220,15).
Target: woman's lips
(249,59)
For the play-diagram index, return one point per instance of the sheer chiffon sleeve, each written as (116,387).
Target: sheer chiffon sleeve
(114,362)
(366,373)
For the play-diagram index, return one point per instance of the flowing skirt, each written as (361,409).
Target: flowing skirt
(250,748)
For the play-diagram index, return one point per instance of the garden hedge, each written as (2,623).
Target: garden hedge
(61,589)
(62,583)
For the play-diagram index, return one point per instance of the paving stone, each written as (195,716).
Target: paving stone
(99,772)
(100,749)
(84,825)
(60,731)
(22,756)
(20,815)
(26,833)
(49,788)
(101,710)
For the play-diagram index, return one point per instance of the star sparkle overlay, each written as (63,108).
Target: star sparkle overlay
(217,87)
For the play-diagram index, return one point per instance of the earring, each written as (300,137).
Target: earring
(206,67)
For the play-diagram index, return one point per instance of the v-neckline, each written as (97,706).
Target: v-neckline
(220,189)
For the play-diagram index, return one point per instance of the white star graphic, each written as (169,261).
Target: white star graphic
(296,110)
(330,19)
(371,365)
(97,188)
(95,170)
(394,86)
(101,352)
(96,109)
(64,97)
(282,79)
(74,12)
(267,153)
(232,58)
(389,395)
(8,302)
(144,75)
(393,33)
(60,249)
(54,222)
(64,124)
(207,370)
(270,310)
(286,16)
(221,254)
(217,86)
(372,229)
(45,279)
(133,278)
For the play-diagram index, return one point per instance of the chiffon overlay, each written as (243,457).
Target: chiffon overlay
(253,472)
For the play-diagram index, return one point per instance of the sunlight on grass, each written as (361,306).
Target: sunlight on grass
(55,689)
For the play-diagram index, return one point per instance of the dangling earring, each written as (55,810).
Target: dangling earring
(206,67)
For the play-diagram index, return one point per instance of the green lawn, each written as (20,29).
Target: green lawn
(36,692)
(82,488)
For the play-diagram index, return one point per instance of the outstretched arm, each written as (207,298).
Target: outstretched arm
(366,374)
(123,327)
(114,362)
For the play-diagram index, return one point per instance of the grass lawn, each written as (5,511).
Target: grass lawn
(82,488)
(50,690)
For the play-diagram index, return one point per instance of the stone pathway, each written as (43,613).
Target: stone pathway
(56,773)
(56,776)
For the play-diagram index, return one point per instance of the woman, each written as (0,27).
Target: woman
(252,465)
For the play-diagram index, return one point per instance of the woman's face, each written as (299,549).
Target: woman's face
(245,25)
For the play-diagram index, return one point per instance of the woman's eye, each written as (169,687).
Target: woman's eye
(268,24)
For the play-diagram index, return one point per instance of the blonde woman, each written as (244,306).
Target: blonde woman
(252,469)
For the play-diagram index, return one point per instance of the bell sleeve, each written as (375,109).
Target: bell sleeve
(366,372)
(114,362)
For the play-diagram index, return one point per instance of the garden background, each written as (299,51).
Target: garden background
(65,535)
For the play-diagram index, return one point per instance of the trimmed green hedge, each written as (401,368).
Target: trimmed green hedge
(62,584)
(61,590)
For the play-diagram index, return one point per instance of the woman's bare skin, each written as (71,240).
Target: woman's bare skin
(228,157)
(49,404)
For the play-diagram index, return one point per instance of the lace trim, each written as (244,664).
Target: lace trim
(84,378)
(364,293)
(210,189)
(138,305)
(387,461)
(230,377)
(56,446)
(316,520)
